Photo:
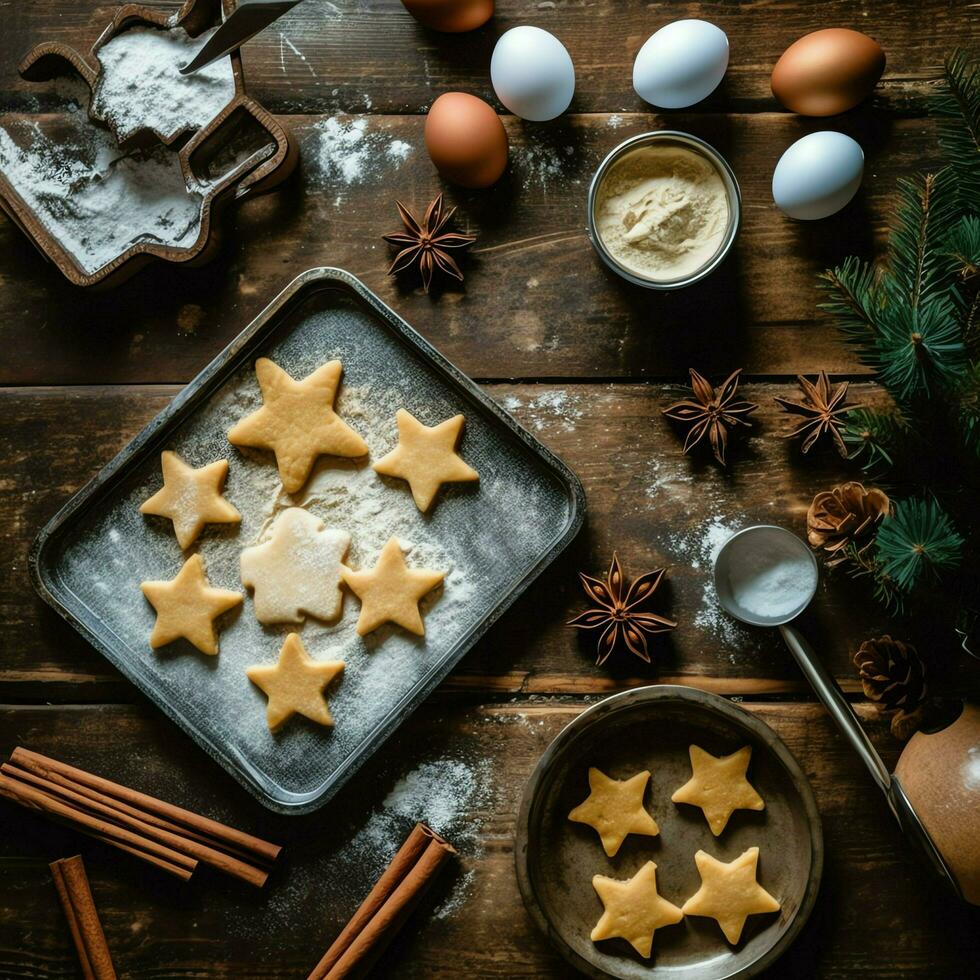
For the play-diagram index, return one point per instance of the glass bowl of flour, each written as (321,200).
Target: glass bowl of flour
(664,209)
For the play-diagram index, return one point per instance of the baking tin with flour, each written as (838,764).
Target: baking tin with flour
(687,214)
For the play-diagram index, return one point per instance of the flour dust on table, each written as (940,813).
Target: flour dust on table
(346,150)
(141,87)
(452,794)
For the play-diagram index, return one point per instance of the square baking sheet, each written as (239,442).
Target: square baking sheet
(493,538)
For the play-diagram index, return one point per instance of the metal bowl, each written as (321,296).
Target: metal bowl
(699,146)
(651,728)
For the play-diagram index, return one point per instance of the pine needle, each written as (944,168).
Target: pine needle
(958,109)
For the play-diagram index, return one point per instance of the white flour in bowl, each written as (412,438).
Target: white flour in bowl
(94,199)
(141,88)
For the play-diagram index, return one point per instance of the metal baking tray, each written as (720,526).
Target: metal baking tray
(494,538)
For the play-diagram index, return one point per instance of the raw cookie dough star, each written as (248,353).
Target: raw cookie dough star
(297,421)
(187,606)
(718,785)
(633,909)
(191,498)
(296,573)
(426,457)
(391,591)
(294,684)
(729,893)
(614,808)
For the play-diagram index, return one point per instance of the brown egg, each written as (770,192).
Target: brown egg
(466,140)
(452,16)
(827,72)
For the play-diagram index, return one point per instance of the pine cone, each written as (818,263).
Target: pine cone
(845,515)
(894,677)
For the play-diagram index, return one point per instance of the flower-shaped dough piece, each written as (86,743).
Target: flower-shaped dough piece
(297,421)
(190,497)
(294,684)
(426,457)
(296,573)
(718,785)
(391,591)
(633,910)
(730,893)
(614,809)
(187,607)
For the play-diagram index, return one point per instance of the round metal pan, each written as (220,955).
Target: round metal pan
(651,728)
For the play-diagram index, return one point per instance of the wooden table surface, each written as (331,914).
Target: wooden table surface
(582,359)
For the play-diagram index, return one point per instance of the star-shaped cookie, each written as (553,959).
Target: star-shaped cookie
(297,421)
(391,591)
(426,457)
(718,785)
(296,573)
(294,684)
(729,893)
(191,498)
(187,607)
(614,808)
(633,910)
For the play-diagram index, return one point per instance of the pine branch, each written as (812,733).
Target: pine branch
(921,348)
(958,108)
(874,437)
(854,300)
(919,264)
(917,537)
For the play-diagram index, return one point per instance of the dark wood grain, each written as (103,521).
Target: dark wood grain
(213,928)
(322,58)
(646,500)
(589,360)
(537,302)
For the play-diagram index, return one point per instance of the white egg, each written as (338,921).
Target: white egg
(817,175)
(532,73)
(681,64)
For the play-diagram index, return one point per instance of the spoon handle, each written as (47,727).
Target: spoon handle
(825,687)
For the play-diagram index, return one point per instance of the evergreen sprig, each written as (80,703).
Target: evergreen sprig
(917,538)
(874,438)
(915,319)
(958,110)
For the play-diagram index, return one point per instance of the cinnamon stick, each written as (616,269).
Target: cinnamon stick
(262,850)
(193,848)
(83,918)
(35,799)
(387,906)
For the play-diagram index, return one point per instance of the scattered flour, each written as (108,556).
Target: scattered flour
(141,88)
(346,150)
(447,794)
(550,409)
(699,552)
(543,164)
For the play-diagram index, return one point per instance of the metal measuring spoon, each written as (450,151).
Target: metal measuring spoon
(742,555)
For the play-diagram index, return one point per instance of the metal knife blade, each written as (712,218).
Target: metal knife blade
(247,19)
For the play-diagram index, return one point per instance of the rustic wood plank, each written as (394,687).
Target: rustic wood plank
(327,56)
(537,303)
(878,915)
(645,499)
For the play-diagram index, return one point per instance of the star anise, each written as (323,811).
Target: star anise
(426,245)
(713,414)
(822,412)
(616,612)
